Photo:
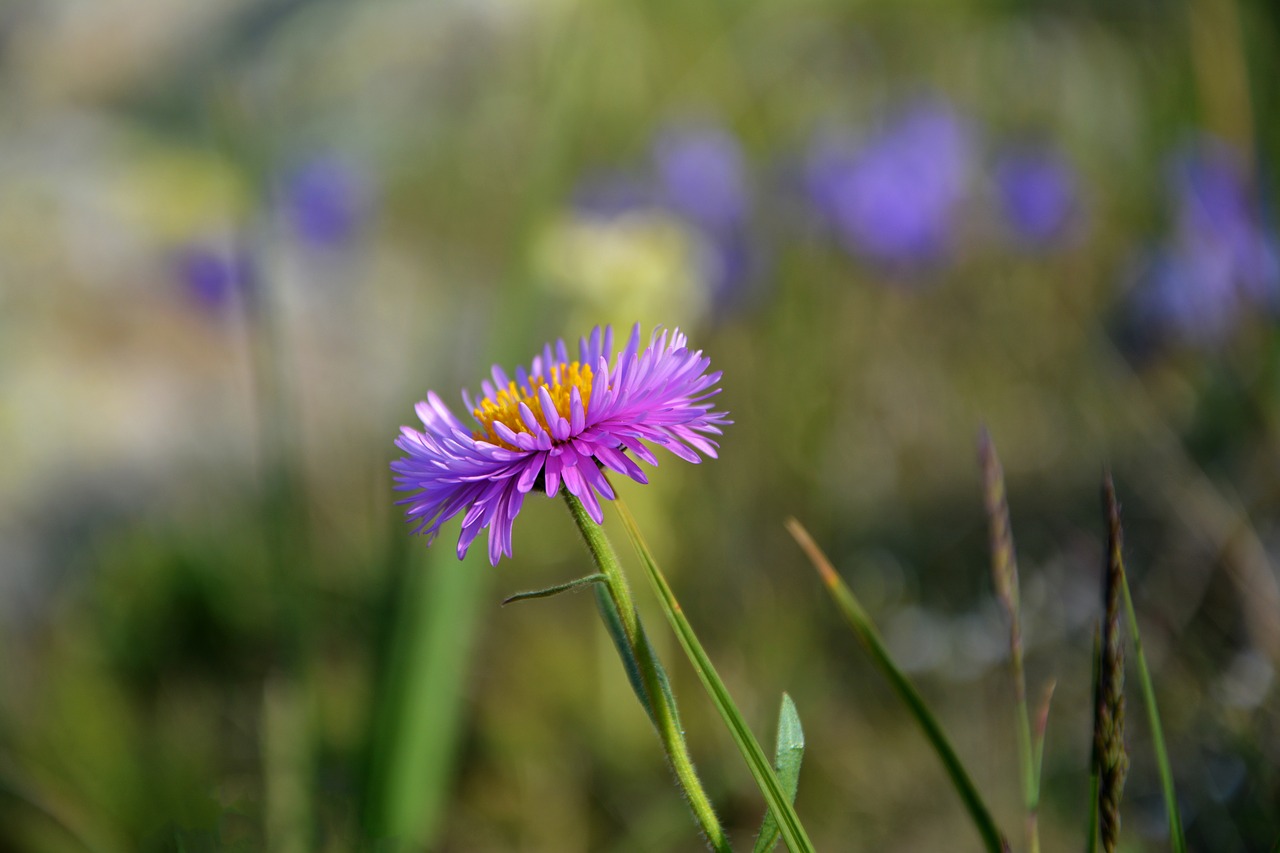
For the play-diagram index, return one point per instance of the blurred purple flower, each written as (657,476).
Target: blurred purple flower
(214,278)
(702,176)
(560,421)
(326,199)
(893,197)
(1037,192)
(1221,262)
(1219,216)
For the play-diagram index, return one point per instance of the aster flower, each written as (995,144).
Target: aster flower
(558,422)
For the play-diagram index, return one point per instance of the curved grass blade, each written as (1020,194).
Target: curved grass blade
(775,796)
(788,753)
(870,638)
(1177,840)
(554,590)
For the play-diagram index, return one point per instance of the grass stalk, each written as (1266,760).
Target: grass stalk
(1177,841)
(1004,572)
(851,609)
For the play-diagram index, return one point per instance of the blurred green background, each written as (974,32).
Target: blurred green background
(238,241)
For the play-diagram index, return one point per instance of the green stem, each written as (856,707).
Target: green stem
(661,703)
(1177,840)
(1026,752)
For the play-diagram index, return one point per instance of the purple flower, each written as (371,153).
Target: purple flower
(213,278)
(1037,191)
(893,197)
(1220,264)
(1219,217)
(702,175)
(702,178)
(1185,294)
(326,199)
(559,421)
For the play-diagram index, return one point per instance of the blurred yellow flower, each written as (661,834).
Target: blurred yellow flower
(639,265)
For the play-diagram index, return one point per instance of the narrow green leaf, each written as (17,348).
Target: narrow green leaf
(613,622)
(787,757)
(1042,726)
(870,638)
(1177,840)
(420,705)
(775,796)
(554,590)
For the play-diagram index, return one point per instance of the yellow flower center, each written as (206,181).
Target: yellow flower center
(504,407)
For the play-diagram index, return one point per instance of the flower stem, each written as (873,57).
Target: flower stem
(660,701)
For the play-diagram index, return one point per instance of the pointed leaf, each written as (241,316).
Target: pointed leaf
(788,755)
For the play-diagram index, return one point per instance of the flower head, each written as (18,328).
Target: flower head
(702,174)
(212,278)
(1222,261)
(894,196)
(559,422)
(326,199)
(1037,191)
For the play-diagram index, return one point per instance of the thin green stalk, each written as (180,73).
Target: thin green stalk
(661,703)
(1004,572)
(1177,841)
(766,779)
(870,638)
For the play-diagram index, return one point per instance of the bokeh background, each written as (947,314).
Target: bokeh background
(239,240)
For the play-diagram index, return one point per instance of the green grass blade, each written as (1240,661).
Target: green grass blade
(870,638)
(775,796)
(788,754)
(1177,841)
(1041,729)
(421,708)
